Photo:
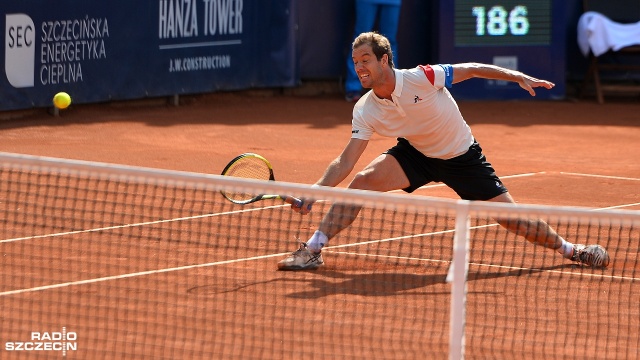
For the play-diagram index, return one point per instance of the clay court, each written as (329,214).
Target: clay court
(566,153)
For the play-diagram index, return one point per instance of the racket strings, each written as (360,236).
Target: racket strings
(248,168)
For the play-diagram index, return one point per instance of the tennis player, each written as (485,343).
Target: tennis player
(434,144)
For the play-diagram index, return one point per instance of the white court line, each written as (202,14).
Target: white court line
(489,265)
(187,267)
(501,177)
(141,273)
(601,176)
(619,206)
(328,249)
(136,224)
(539,173)
(606,177)
(190,217)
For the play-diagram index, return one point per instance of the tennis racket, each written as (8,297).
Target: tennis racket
(253,166)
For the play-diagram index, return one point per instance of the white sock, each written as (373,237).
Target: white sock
(317,241)
(566,249)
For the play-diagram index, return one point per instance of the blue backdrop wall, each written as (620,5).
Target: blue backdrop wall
(122,49)
(118,49)
(326,29)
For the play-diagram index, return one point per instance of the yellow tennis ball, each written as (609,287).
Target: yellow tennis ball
(62,100)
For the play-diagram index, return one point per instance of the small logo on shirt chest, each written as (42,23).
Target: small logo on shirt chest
(416,99)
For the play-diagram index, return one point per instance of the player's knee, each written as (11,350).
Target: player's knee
(364,181)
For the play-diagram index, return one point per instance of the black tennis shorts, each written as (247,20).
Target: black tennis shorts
(470,175)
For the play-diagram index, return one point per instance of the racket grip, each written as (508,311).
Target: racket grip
(294,201)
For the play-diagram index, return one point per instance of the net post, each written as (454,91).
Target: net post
(457,276)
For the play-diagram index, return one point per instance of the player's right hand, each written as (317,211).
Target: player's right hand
(304,207)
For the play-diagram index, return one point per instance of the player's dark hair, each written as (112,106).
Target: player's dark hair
(380,45)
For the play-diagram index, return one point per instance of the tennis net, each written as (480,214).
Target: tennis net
(103,261)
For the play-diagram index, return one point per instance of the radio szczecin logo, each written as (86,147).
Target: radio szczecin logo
(62,341)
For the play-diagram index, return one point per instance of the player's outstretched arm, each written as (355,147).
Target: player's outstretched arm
(467,71)
(337,170)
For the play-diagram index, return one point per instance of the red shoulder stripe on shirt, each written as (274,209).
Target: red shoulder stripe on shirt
(428,71)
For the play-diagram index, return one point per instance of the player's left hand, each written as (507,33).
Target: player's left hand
(528,83)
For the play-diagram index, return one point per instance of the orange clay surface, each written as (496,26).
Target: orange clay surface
(581,154)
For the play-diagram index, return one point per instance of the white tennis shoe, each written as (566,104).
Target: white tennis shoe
(301,259)
(590,255)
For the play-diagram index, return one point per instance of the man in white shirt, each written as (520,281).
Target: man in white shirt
(434,144)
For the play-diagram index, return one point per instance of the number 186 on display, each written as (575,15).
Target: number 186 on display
(497,21)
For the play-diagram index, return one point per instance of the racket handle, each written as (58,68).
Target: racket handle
(294,201)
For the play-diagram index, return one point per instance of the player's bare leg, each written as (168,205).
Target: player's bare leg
(539,232)
(535,231)
(382,174)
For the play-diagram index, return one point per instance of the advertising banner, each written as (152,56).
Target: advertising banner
(120,49)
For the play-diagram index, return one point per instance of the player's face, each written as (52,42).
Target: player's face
(367,66)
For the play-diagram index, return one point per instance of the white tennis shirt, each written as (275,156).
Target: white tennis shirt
(422,111)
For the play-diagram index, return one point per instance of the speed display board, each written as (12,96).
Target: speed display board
(524,35)
(491,22)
